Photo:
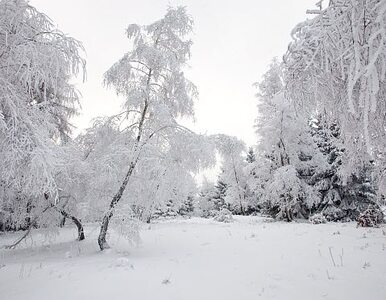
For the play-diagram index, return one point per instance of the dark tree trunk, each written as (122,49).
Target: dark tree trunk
(107,217)
(102,234)
(78,224)
(28,218)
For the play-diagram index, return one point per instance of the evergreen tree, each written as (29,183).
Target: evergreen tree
(187,206)
(343,196)
(251,156)
(221,191)
(206,207)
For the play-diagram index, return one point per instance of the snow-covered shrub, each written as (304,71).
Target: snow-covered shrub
(318,219)
(333,213)
(348,196)
(187,207)
(224,215)
(371,217)
(288,194)
(206,202)
(169,209)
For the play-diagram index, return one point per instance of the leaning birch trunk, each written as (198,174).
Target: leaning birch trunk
(117,197)
(107,217)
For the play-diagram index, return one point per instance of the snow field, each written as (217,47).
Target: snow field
(250,258)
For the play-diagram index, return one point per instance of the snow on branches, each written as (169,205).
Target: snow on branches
(337,64)
(36,101)
(161,152)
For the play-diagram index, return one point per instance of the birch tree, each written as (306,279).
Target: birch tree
(150,77)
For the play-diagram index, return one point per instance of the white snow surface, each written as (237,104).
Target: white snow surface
(250,258)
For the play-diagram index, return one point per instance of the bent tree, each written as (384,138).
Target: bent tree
(156,92)
(37,100)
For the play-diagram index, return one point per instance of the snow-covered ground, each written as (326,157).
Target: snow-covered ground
(202,259)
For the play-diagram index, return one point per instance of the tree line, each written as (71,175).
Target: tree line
(321,121)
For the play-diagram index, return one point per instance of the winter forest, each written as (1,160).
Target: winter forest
(129,206)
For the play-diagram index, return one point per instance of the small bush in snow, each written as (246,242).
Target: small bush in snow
(318,219)
(224,215)
(371,217)
(333,213)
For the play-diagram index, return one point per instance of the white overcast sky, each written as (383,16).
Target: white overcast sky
(234,42)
